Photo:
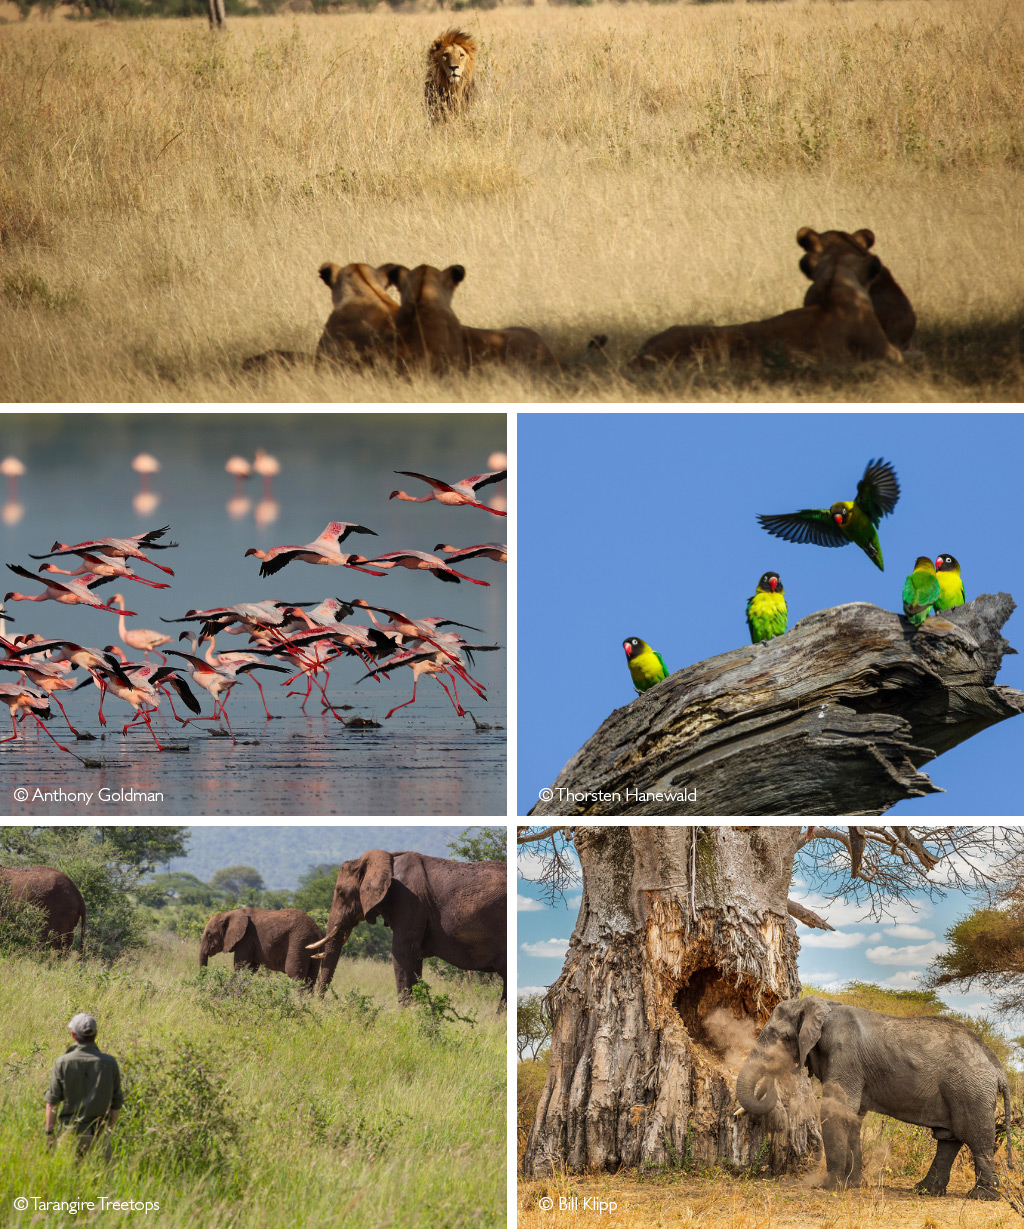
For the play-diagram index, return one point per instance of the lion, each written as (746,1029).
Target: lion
(361,327)
(429,332)
(449,85)
(512,345)
(892,307)
(839,325)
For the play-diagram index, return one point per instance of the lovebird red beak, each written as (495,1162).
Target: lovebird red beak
(838,518)
(938,563)
(629,650)
(774,583)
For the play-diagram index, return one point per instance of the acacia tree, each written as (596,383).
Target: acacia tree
(684,944)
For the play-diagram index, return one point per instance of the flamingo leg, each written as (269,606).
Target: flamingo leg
(66,718)
(270,716)
(48,734)
(455,704)
(407,703)
(469,578)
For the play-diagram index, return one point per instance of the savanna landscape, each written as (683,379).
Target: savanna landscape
(247,1101)
(167,194)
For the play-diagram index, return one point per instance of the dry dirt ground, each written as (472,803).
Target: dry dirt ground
(684,1200)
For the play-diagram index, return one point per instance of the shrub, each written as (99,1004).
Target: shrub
(435,1011)
(21,922)
(249,997)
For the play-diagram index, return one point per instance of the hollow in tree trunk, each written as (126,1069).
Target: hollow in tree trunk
(682,949)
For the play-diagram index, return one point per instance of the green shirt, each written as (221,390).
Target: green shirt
(88,1082)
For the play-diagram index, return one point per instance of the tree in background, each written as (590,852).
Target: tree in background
(684,944)
(489,845)
(533,1025)
(144,848)
(987,946)
(235,879)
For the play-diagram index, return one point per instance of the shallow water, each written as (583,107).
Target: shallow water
(423,761)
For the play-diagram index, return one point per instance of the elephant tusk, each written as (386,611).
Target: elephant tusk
(739,1113)
(319,956)
(321,942)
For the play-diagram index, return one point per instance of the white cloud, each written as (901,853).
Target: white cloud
(905,981)
(829,979)
(904,932)
(524,992)
(831,938)
(915,954)
(553,949)
(529,863)
(526,904)
(574,902)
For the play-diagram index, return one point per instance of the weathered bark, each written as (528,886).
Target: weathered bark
(681,951)
(833,718)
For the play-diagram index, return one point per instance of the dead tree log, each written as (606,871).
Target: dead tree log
(834,718)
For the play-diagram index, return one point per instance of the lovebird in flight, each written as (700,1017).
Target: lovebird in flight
(766,610)
(951,587)
(646,667)
(920,591)
(853,520)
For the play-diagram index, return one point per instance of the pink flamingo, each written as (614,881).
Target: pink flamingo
(118,548)
(50,678)
(92,660)
(432,662)
(140,637)
(241,663)
(217,682)
(323,549)
(418,560)
(96,565)
(457,493)
(137,686)
(75,592)
(268,468)
(497,551)
(20,698)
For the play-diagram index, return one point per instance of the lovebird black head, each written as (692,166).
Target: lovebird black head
(946,563)
(633,646)
(841,512)
(770,583)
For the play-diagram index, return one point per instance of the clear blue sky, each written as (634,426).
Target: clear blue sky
(644,525)
(892,952)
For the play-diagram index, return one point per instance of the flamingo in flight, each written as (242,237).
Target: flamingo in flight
(118,548)
(497,551)
(21,698)
(73,592)
(419,561)
(240,663)
(323,549)
(137,686)
(97,565)
(434,662)
(47,676)
(457,493)
(216,681)
(139,637)
(92,660)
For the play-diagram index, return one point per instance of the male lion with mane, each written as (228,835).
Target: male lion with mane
(449,85)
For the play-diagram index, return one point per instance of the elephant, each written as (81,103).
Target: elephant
(52,891)
(928,1071)
(269,938)
(434,906)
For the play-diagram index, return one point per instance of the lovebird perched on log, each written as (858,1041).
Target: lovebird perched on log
(920,591)
(766,610)
(951,587)
(646,667)
(853,520)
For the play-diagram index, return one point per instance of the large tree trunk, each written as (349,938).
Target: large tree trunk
(681,951)
(833,718)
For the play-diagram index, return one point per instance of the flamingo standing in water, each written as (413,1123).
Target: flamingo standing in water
(419,561)
(140,637)
(73,592)
(463,492)
(323,549)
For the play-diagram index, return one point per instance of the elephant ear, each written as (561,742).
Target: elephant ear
(374,879)
(238,924)
(813,1014)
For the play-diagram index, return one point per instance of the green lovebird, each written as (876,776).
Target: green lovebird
(766,610)
(847,521)
(646,667)
(920,591)
(951,587)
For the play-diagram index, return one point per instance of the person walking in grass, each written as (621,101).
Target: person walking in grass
(88,1082)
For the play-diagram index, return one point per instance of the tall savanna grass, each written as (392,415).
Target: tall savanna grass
(248,1104)
(167,195)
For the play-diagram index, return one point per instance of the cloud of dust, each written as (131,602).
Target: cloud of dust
(733,1038)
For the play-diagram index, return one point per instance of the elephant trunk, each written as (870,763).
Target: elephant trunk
(204,960)
(331,946)
(755,1087)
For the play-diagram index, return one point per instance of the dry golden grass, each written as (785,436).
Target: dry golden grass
(166,196)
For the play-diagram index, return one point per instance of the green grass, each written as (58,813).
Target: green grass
(248,1104)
